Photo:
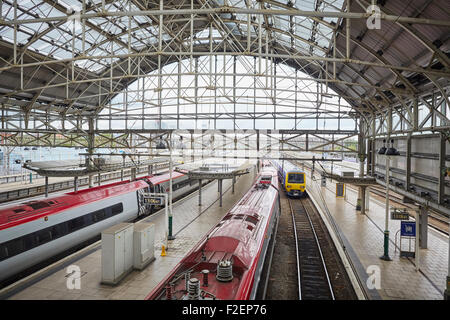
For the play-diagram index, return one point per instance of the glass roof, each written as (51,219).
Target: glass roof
(110,35)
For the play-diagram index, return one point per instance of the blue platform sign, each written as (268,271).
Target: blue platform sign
(408,229)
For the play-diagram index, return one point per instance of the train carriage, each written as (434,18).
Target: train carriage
(35,231)
(228,262)
(292,178)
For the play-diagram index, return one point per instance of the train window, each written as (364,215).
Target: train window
(14,247)
(3,253)
(76,224)
(98,215)
(29,241)
(296,178)
(43,236)
(116,209)
(88,220)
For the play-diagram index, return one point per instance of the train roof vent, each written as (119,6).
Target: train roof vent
(38,205)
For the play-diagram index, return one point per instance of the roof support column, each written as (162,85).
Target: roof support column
(220,188)
(234,92)
(362,158)
(75,184)
(347,32)
(408,162)
(442,168)
(46,186)
(91,144)
(200,192)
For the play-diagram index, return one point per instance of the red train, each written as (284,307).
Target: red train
(228,262)
(35,231)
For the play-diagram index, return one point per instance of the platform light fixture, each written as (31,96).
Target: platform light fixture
(383,148)
(389,153)
(160,145)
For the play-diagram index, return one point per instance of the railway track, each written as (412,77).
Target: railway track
(311,268)
(314,281)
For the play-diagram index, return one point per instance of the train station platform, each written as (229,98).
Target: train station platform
(190,223)
(363,235)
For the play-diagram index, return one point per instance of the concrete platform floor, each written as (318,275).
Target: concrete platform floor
(191,223)
(364,237)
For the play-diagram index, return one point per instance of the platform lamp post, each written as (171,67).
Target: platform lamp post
(389,153)
(447,290)
(161,145)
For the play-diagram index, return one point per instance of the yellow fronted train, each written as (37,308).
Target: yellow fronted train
(292,178)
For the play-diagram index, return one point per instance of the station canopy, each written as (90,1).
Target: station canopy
(170,63)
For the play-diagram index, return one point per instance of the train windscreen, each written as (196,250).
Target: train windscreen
(296,178)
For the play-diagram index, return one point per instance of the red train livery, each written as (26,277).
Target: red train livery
(35,231)
(228,262)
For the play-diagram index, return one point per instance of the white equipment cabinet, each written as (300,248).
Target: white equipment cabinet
(117,252)
(144,239)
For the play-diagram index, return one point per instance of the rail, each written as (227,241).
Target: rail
(314,281)
(18,177)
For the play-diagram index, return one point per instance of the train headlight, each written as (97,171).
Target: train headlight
(288,186)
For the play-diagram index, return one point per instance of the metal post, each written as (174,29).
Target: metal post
(99,179)
(360,191)
(363,199)
(423,222)
(133,174)
(46,186)
(385,256)
(408,163)
(171,237)
(313,164)
(75,184)
(447,290)
(220,191)
(90,181)
(121,171)
(166,210)
(200,192)
(442,167)
(418,238)
(232,185)
(367,201)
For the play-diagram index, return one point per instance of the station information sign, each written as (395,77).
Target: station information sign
(399,214)
(158,201)
(408,229)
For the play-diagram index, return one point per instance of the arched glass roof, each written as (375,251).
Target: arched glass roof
(75,57)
